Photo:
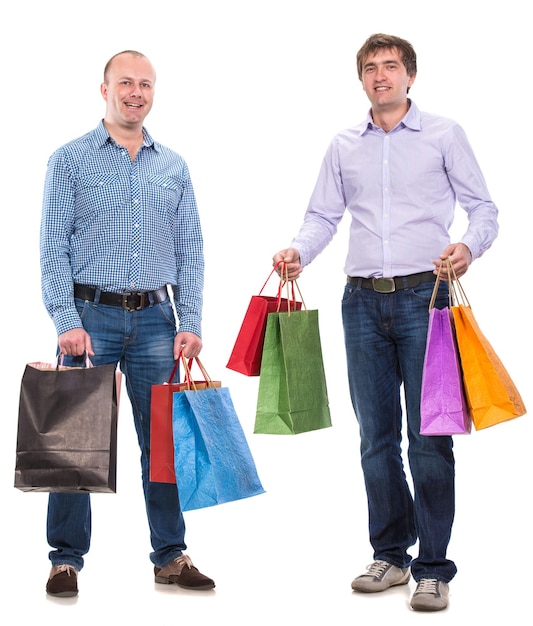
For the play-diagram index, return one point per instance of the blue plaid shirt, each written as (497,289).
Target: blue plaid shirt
(119,226)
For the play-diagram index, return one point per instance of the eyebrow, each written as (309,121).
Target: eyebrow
(384,62)
(141,80)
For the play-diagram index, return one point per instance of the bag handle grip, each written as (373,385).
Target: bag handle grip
(61,359)
(456,289)
(188,378)
(291,296)
(457,294)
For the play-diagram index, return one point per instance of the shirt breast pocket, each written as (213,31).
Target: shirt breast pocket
(95,193)
(167,192)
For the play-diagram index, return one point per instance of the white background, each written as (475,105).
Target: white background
(250,93)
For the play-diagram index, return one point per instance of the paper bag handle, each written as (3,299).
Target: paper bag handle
(188,378)
(173,373)
(457,294)
(456,289)
(61,358)
(291,296)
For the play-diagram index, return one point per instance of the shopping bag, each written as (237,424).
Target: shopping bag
(245,357)
(212,459)
(161,438)
(67,428)
(292,396)
(443,408)
(491,394)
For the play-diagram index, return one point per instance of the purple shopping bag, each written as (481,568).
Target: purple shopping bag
(443,408)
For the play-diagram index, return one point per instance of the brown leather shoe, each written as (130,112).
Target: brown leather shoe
(63,581)
(182,572)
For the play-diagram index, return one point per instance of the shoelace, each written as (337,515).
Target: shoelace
(65,568)
(377,568)
(182,561)
(427,585)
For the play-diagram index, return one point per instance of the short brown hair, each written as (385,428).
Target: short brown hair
(108,64)
(380,41)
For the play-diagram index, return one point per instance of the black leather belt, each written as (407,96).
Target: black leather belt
(134,301)
(388,285)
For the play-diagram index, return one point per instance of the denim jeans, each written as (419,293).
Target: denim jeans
(385,338)
(142,343)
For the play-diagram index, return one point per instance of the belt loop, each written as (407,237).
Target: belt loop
(359,283)
(150,295)
(97,293)
(405,282)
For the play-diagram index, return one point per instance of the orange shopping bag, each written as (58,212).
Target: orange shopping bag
(491,394)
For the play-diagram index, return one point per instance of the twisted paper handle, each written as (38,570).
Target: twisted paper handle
(188,378)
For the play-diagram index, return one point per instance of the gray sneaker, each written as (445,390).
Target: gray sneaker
(430,595)
(380,576)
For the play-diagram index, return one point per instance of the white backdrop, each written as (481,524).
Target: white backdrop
(250,93)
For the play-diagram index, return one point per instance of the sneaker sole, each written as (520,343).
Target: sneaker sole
(426,608)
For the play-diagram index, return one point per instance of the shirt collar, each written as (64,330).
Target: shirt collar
(101,136)
(410,120)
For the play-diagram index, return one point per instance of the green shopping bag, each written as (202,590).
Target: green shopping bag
(292,396)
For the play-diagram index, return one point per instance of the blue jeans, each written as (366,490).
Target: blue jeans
(142,343)
(385,338)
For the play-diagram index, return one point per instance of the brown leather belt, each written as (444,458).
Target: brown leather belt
(134,301)
(389,285)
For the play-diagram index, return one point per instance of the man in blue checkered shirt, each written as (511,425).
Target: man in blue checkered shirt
(122,279)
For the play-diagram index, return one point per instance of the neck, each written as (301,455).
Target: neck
(387,118)
(125,135)
(131,138)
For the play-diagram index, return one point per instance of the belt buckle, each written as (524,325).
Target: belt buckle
(383,285)
(133,306)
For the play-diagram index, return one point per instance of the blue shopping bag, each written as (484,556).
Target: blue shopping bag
(212,459)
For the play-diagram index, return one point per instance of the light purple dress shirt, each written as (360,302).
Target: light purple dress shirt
(401,189)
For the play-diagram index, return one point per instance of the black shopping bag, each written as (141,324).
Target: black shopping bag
(67,429)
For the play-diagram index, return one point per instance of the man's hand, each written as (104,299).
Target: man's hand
(187,343)
(75,342)
(460,257)
(291,258)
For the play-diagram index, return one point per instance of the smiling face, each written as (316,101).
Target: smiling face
(128,90)
(385,80)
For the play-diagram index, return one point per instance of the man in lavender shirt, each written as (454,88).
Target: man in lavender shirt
(400,175)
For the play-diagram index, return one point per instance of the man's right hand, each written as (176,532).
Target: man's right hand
(75,342)
(291,258)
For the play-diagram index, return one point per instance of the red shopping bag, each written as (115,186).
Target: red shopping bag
(161,437)
(246,355)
